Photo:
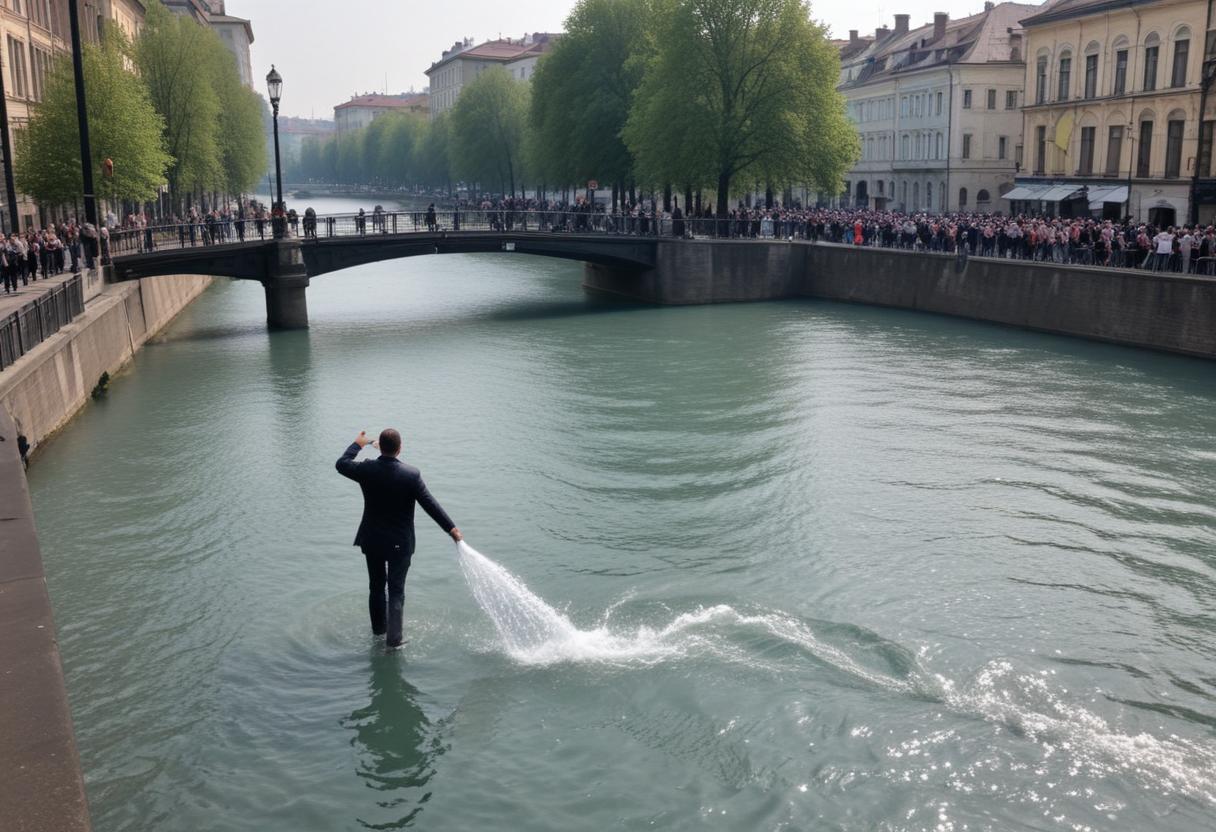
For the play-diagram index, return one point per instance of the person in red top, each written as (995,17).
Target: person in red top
(858,237)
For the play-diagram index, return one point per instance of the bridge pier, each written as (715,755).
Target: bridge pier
(286,285)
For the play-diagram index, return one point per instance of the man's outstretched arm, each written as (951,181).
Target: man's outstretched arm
(346,464)
(431,506)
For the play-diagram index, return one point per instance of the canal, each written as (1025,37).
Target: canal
(860,568)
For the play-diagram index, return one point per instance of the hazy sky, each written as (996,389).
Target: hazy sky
(329,50)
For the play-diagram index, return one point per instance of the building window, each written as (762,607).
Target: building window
(1120,72)
(939,103)
(1205,149)
(991,99)
(962,198)
(1114,150)
(1040,149)
(1002,147)
(966,99)
(1040,82)
(1085,165)
(966,145)
(1150,65)
(1178,76)
(938,147)
(1173,148)
(1065,77)
(16,65)
(1091,76)
(1145,151)
(1011,99)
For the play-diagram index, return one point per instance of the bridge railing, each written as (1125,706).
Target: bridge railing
(389,223)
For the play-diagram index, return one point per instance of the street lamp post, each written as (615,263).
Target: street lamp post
(278,216)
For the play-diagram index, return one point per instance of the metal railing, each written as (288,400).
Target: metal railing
(387,223)
(39,319)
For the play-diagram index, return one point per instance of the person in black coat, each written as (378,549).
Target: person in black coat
(386,532)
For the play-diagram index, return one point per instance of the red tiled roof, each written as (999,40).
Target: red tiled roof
(415,100)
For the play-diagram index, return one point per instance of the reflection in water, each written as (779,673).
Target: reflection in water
(397,746)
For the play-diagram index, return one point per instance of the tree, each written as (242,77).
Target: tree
(240,138)
(174,57)
(432,159)
(488,125)
(123,127)
(582,91)
(740,88)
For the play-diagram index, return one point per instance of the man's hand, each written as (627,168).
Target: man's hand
(456,535)
(361,440)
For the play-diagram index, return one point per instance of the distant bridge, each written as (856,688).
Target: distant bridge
(285,266)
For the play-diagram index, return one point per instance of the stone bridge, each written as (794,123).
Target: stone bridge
(285,267)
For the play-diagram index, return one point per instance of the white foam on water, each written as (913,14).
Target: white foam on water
(1085,743)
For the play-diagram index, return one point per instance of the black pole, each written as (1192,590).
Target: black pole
(82,115)
(280,226)
(6,147)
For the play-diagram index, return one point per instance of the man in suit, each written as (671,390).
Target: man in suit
(386,532)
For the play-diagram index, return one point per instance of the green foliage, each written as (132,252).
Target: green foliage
(241,139)
(583,89)
(123,127)
(488,124)
(213,124)
(740,89)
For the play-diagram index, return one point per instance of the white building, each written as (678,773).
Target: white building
(938,111)
(464,61)
(362,110)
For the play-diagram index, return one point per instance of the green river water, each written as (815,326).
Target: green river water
(836,568)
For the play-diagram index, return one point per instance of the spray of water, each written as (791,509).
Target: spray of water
(534,633)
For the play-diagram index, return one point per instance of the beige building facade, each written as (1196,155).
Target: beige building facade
(464,61)
(1111,119)
(937,109)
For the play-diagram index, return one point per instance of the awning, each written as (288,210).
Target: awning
(1058,193)
(1026,192)
(1106,193)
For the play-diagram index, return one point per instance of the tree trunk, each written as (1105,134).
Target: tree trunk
(667,197)
(687,199)
(768,196)
(723,200)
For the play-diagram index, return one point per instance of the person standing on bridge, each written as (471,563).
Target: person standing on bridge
(386,531)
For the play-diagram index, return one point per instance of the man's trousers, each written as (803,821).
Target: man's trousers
(386,591)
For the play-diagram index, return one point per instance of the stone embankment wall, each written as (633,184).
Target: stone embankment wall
(1162,311)
(1175,313)
(48,385)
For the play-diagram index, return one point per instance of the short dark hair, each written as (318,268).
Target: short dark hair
(390,441)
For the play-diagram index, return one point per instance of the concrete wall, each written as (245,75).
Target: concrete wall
(41,789)
(1161,311)
(1168,312)
(48,385)
(708,271)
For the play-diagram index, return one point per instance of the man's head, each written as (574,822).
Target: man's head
(390,442)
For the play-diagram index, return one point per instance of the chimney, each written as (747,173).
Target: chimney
(989,6)
(939,25)
(880,34)
(853,38)
(901,24)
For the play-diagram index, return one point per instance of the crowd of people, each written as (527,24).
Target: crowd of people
(46,252)
(1076,240)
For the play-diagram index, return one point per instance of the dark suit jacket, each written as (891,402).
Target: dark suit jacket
(390,489)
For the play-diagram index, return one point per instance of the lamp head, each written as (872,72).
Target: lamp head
(274,83)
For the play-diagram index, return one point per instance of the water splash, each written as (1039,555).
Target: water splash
(534,633)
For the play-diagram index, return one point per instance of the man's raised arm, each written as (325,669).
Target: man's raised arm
(346,464)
